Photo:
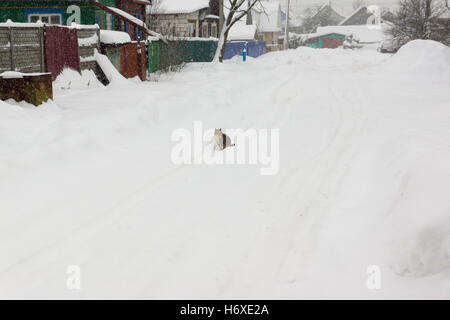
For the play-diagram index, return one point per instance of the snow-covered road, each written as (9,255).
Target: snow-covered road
(88,180)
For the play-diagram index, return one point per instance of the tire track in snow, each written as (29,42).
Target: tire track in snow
(317,189)
(331,170)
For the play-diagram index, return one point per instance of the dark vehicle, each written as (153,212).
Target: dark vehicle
(389,46)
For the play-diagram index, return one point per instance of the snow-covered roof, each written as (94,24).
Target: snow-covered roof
(114,37)
(353,14)
(320,34)
(178,6)
(325,5)
(269,16)
(134,20)
(242,31)
(128,16)
(364,33)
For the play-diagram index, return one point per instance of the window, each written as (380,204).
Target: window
(138,32)
(191,28)
(55,19)
(109,23)
(205,33)
(214,30)
(50,18)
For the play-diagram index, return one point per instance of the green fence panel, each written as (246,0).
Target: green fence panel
(113,54)
(202,51)
(162,56)
(153,57)
(189,52)
(150,54)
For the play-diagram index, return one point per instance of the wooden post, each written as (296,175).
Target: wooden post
(11,50)
(42,44)
(98,37)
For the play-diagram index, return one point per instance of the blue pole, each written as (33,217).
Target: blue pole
(244,53)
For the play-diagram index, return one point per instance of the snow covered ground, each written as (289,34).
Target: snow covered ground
(364,179)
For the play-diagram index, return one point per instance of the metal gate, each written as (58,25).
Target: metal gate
(61,49)
(331,43)
(133,60)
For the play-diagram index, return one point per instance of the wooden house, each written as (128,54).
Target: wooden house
(123,15)
(56,12)
(196,18)
(266,16)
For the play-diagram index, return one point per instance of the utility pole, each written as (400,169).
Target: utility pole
(286,27)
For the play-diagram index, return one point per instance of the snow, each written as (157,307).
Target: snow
(319,34)
(111,73)
(421,56)
(114,37)
(70,79)
(179,6)
(137,22)
(10,23)
(11,75)
(18,75)
(267,16)
(128,16)
(366,34)
(87,42)
(242,31)
(74,25)
(212,16)
(353,14)
(87,180)
(87,59)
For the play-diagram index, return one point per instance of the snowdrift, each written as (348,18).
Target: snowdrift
(423,56)
(70,79)
(418,225)
(109,70)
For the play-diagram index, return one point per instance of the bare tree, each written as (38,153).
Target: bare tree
(419,19)
(163,27)
(237,9)
(311,19)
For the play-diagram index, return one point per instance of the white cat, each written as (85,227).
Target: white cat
(222,140)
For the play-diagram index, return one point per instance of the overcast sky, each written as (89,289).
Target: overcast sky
(341,6)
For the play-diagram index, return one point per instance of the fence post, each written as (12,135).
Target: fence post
(42,44)
(99,50)
(11,50)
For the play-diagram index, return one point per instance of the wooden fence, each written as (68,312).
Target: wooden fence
(88,41)
(22,47)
